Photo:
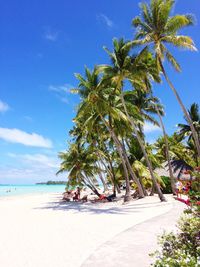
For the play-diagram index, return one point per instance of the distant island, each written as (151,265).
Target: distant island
(52,182)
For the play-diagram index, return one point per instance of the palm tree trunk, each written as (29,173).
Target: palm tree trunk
(172,180)
(110,170)
(130,169)
(90,185)
(143,188)
(105,188)
(152,190)
(116,185)
(140,188)
(160,194)
(127,196)
(93,189)
(187,116)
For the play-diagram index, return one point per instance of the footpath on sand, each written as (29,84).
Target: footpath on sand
(131,248)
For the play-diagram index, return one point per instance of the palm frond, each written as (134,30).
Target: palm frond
(180,41)
(173,61)
(178,22)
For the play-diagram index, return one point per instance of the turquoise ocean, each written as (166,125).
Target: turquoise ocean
(17,190)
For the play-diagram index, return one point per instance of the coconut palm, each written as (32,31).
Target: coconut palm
(147,105)
(156,28)
(98,140)
(184,129)
(138,70)
(101,105)
(179,151)
(80,165)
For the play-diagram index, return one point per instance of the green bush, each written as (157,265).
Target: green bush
(180,249)
(167,189)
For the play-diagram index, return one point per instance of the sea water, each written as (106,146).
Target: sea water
(14,190)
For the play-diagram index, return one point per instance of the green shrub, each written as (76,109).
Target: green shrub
(181,249)
(167,189)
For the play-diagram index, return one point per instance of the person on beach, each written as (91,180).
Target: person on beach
(187,188)
(179,187)
(75,197)
(78,191)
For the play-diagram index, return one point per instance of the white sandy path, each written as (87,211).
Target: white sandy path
(36,231)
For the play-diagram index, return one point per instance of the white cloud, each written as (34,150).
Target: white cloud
(51,35)
(37,160)
(30,167)
(61,91)
(42,160)
(27,139)
(27,174)
(65,88)
(104,19)
(149,127)
(3,107)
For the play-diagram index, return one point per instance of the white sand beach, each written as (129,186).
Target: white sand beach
(41,231)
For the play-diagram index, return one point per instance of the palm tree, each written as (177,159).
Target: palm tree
(100,105)
(179,152)
(136,70)
(155,27)
(97,140)
(184,129)
(80,166)
(149,105)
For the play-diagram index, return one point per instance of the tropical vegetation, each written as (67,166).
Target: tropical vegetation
(108,143)
(182,249)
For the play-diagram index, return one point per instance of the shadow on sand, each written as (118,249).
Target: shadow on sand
(100,208)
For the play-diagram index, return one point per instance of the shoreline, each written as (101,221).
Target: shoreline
(40,230)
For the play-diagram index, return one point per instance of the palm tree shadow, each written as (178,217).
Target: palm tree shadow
(97,208)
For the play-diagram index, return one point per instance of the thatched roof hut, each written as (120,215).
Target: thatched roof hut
(179,167)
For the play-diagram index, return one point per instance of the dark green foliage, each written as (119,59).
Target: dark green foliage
(167,189)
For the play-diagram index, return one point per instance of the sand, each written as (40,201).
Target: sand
(41,231)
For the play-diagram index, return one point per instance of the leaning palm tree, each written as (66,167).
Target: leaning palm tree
(149,105)
(100,105)
(155,27)
(80,166)
(135,69)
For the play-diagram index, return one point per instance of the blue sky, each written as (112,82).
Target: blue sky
(43,43)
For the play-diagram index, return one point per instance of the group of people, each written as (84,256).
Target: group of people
(74,195)
(71,195)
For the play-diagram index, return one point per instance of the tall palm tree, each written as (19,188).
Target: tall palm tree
(149,105)
(136,69)
(155,27)
(101,105)
(167,154)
